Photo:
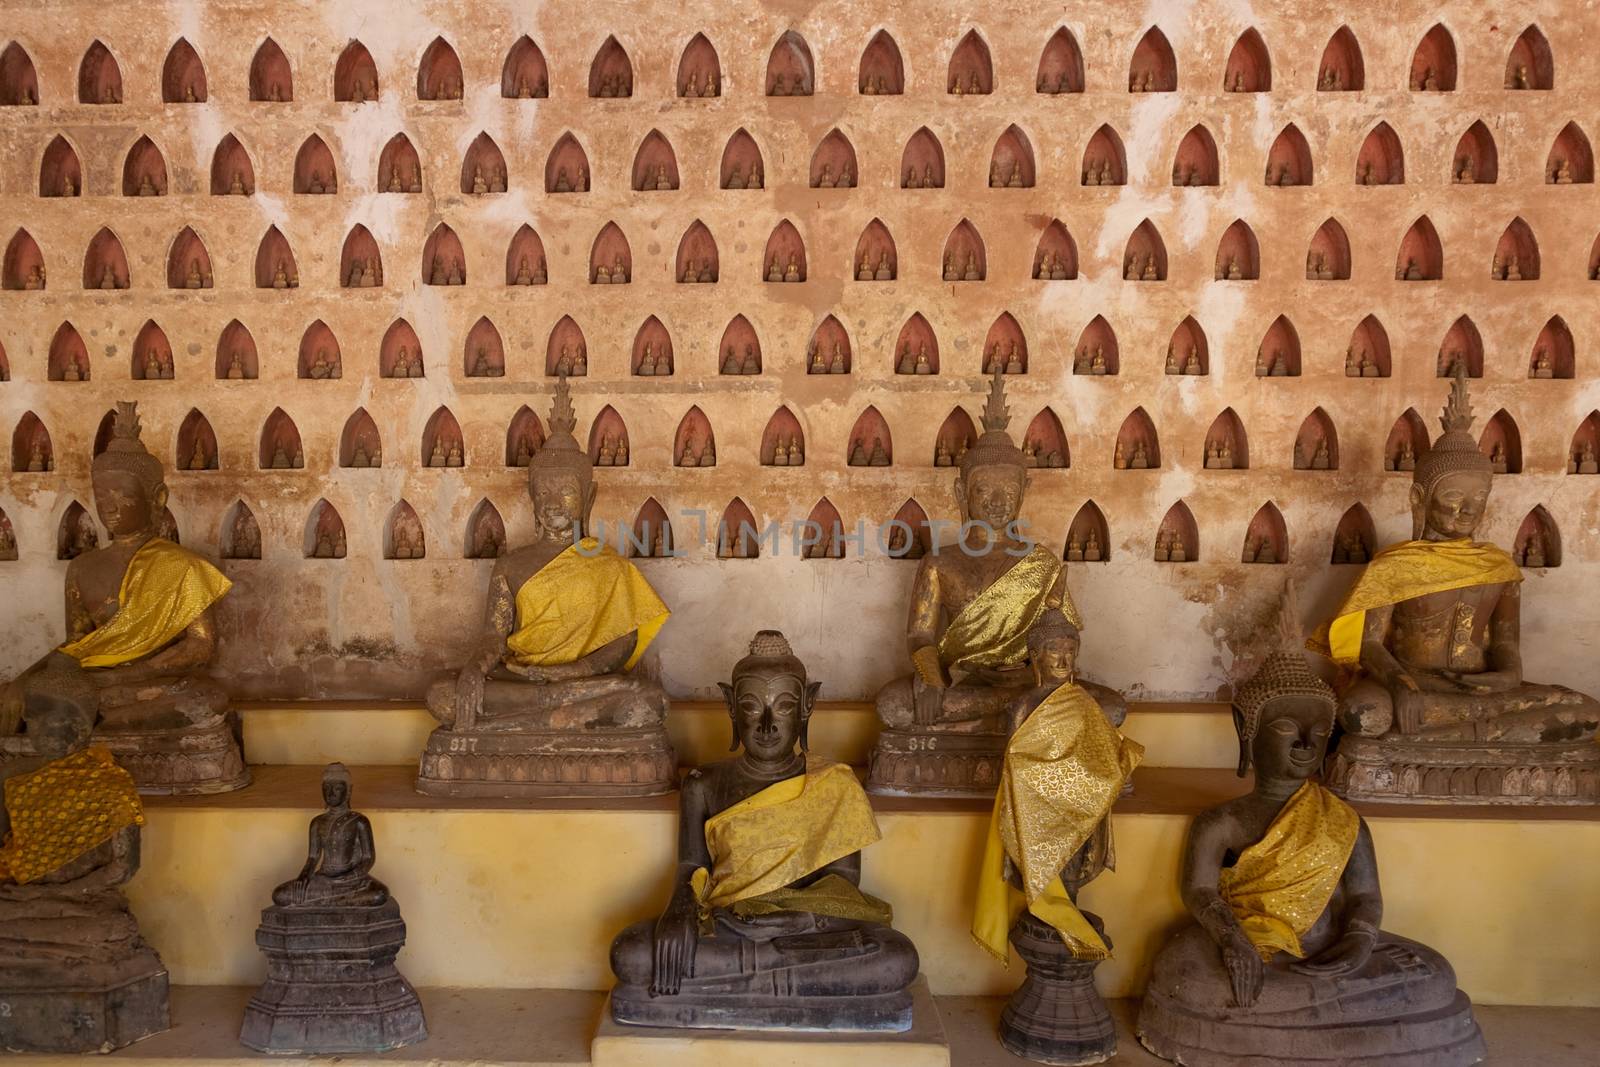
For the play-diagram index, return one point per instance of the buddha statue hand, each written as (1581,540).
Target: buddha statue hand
(677,935)
(926,700)
(538,675)
(469,696)
(1345,956)
(1246,972)
(1483,682)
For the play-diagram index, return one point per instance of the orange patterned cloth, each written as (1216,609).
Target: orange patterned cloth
(64,809)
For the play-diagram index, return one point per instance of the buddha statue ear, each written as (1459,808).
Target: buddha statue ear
(806,707)
(961,496)
(588,502)
(1244,744)
(158,500)
(1419,510)
(733,720)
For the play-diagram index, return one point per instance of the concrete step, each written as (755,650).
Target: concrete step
(519,894)
(319,732)
(556,1028)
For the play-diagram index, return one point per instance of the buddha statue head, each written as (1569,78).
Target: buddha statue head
(769,700)
(130,490)
(993,471)
(1053,648)
(1450,487)
(561,475)
(336,786)
(1284,713)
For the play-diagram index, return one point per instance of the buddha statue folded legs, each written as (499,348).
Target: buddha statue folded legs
(141,626)
(548,704)
(973,603)
(767,928)
(1439,710)
(1285,961)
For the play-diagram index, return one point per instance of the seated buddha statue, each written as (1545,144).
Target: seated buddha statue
(972,605)
(75,974)
(547,704)
(1285,961)
(766,927)
(141,625)
(1438,709)
(338,870)
(1050,835)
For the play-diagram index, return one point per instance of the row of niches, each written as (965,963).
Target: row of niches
(188,263)
(791,69)
(915,351)
(834,164)
(907,535)
(869,443)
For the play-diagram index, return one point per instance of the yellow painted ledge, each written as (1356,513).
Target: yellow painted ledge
(380,733)
(517,895)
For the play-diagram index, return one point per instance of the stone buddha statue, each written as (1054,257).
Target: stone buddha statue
(338,870)
(141,626)
(1439,709)
(75,974)
(973,603)
(767,928)
(547,705)
(1285,961)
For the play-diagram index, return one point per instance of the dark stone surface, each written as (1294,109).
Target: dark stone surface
(1056,1016)
(95,1008)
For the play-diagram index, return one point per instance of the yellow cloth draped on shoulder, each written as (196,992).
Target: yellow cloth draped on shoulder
(1406,571)
(992,630)
(63,810)
(1281,885)
(585,598)
(164,590)
(1064,769)
(763,844)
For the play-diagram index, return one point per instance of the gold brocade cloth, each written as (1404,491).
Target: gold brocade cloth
(1281,885)
(1064,768)
(763,844)
(581,601)
(164,590)
(1406,571)
(64,809)
(992,630)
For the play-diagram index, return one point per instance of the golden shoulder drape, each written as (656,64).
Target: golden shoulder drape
(1405,571)
(1282,883)
(164,590)
(992,630)
(581,601)
(1064,769)
(63,810)
(790,829)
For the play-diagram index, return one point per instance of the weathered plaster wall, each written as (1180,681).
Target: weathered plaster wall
(369,626)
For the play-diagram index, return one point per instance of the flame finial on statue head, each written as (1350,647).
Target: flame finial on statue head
(561,451)
(1455,450)
(996,416)
(126,452)
(995,447)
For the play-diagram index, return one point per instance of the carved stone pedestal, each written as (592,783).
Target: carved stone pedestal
(1056,1016)
(332,986)
(1454,772)
(550,763)
(198,760)
(84,1008)
(936,763)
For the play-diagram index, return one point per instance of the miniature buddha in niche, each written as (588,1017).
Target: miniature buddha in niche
(141,627)
(547,705)
(750,942)
(1441,711)
(972,606)
(1285,962)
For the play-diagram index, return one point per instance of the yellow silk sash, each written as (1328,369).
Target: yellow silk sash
(766,842)
(63,810)
(1064,769)
(164,590)
(579,602)
(1405,571)
(992,630)
(1281,884)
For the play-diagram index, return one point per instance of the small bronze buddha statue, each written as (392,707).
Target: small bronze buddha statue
(972,606)
(331,937)
(1439,710)
(75,974)
(141,625)
(1285,961)
(767,928)
(547,704)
